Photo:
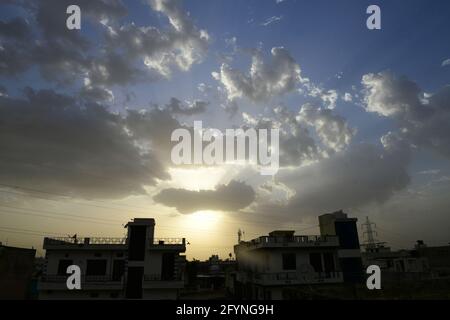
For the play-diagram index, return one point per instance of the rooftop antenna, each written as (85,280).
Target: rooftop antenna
(239,235)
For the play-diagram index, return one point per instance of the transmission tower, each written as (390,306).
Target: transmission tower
(369,233)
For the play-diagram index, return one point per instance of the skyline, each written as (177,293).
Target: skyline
(86,118)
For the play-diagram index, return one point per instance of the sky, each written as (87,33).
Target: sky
(86,118)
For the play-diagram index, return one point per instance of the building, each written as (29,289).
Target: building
(16,271)
(208,276)
(269,267)
(139,266)
(438,259)
(397,265)
(349,252)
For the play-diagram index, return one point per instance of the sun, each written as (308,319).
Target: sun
(205,219)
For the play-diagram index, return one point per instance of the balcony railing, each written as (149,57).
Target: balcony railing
(84,278)
(283,276)
(159,277)
(107,240)
(169,241)
(292,241)
(81,241)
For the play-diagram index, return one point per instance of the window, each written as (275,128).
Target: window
(315,259)
(168,266)
(328,260)
(118,269)
(96,268)
(289,261)
(62,266)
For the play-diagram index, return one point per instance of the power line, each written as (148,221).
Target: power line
(106,207)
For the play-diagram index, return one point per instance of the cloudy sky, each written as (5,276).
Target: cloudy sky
(86,117)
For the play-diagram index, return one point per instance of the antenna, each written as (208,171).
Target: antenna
(239,235)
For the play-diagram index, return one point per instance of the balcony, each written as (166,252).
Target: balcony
(178,244)
(58,282)
(155,281)
(294,241)
(109,243)
(85,243)
(292,278)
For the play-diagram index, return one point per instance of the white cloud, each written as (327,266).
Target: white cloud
(271,20)
(446,63)
(332,129)
(423,120)
(348,97)
(264,80)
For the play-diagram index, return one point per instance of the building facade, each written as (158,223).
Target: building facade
(269,267)
(139,266)
(16,271)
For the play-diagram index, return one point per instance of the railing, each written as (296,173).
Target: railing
(169,241)
(85,278)
(81,241)
(298,276)
(293,240)
(158,277)
(107,240)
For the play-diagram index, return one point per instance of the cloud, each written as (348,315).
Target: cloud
(271,20)
(264,80)
(332,129)
(160,51)
(446,63)
(328,97)
(353,178)
(299,132)
(296,144)
(347,97)
(175,106)
(119,54)
(422,119)
(96,94)
(231,197)
(18,28)
(61,144)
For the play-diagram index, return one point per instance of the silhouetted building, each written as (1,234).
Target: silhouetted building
(396,265)
(16,271)
(349,253)
(208,279)
(136,267)
(270,267)
(438,259)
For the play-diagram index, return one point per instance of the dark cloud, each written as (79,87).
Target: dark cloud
(55,142)
(361,175)
(175,106)
(17,29)
(119,55)
(96,94)
(231,197)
